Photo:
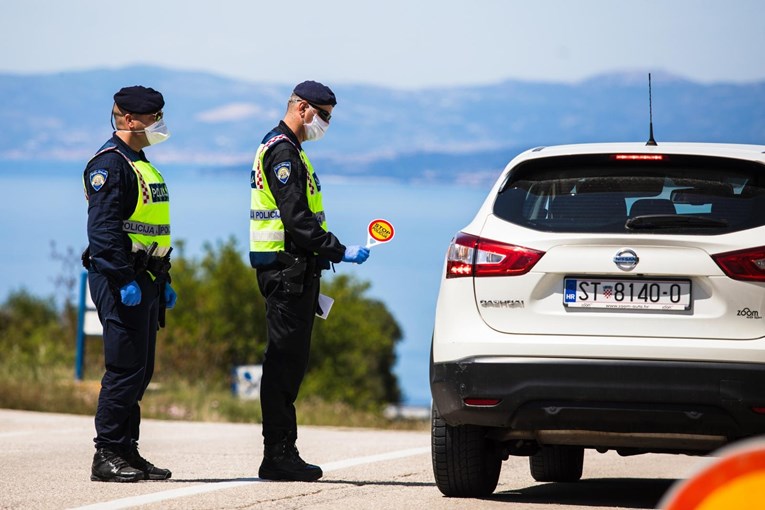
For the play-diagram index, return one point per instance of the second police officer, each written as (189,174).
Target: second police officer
(290,245)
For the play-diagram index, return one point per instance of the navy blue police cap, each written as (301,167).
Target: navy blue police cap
(315,92)
(139,99)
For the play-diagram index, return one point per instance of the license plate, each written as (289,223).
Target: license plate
(627,294)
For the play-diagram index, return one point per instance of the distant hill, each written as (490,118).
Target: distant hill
(463,134)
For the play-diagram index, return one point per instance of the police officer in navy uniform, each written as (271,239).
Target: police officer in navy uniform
(290,245)
(128,262)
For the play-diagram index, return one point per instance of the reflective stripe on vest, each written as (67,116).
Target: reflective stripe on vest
(266,227)
(150,221)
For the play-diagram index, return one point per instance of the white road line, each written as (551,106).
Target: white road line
(400,454)
(217,486)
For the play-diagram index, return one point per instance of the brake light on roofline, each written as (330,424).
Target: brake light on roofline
(747,265)
(639,157)
(470,255)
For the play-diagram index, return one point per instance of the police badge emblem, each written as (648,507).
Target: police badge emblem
(98,178)
(282,171)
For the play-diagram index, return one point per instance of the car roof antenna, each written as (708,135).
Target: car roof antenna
(651,140)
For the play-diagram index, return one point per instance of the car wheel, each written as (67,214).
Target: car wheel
(557,464)
(465,462)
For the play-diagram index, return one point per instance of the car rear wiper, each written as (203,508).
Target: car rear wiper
(651,221)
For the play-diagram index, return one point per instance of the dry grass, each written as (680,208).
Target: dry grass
(58,392)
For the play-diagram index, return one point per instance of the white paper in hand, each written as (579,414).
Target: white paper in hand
(324,306)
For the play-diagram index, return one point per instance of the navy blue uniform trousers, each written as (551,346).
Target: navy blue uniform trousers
(289,321)
(130,337)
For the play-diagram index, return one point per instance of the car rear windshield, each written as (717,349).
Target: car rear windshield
(609,193)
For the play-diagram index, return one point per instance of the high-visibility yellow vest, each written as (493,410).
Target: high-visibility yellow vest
(266,227)
(150,221)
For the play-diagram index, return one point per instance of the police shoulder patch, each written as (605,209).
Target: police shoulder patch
(98,178)
(282,171)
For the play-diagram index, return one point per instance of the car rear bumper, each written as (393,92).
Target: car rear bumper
(619,397)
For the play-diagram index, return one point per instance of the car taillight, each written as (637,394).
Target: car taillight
(470,255)
(746,265)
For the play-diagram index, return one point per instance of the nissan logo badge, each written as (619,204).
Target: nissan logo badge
(626,259)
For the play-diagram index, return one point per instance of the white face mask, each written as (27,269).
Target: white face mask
(157,132)
(316,129)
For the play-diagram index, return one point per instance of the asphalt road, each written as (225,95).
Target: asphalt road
(45,464)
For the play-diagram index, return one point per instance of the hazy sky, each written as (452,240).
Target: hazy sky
(398,43)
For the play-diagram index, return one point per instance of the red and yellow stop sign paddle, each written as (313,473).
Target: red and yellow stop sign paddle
(379,232)
(734,481)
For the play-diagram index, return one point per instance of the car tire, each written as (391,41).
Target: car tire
(465,463)
(557,464)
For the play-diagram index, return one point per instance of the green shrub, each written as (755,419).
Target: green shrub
(217,324)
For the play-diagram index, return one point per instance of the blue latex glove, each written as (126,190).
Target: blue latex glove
(356,253)
(130,294)
(170,296)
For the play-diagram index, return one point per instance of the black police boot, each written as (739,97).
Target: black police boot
(281,461)
(109,466)
(149,470)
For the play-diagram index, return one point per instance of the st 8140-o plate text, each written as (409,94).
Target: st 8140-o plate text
(631,294)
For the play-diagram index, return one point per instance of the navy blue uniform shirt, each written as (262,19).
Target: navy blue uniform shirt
(112,188)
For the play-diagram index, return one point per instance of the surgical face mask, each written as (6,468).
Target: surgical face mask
(157,132)
(316,129)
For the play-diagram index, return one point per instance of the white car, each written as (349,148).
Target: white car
(605,296)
